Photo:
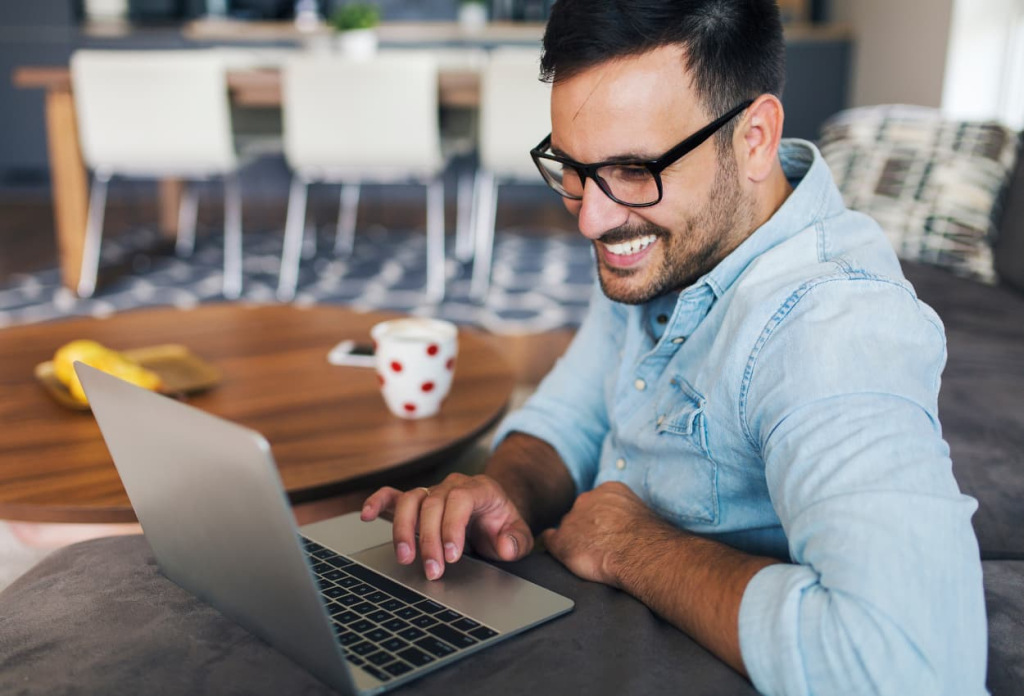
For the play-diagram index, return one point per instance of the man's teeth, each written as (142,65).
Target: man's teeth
(632,246)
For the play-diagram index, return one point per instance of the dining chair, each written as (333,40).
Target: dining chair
(350,121)
(514,115)
(157,115)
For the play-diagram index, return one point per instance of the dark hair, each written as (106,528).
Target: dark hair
(734,48)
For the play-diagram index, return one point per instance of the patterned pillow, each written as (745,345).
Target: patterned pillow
(933,184)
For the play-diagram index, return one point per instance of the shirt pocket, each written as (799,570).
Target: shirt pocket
(682,481)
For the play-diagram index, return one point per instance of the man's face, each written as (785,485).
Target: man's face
(641,107)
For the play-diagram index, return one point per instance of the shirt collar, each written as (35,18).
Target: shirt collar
(814,196)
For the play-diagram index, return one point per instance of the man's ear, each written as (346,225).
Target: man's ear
(757,137)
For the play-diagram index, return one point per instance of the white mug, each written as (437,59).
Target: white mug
(415,361)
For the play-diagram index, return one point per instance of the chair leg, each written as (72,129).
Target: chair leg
(293,232)
(344,239)
(188,212)
(232,237)
(93,235)
(464,218)
(487,208)
(309,235)
(435,240)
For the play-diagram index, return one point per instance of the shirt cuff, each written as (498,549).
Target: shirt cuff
(769,628)
(523,421)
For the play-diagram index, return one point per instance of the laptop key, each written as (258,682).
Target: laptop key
(374,672)
(334,574)
(365,607)
(338,628)
(334,592)
(348,638)
(321,568)
(393,644)
(392,605)
(384,584)
(423,621)
(448,616)
(347,581)
(408,613)
(336,608)
(465,624)
(338,561)
(435,647)
(355,659)
(395,625)
(379,616)
(483,633)
(322,554)
(412,633)
(377,597)
(417,658)
(362,626)
(450,635)
(362,589)
(378,635)
(379,658)
(350,600)
(363,648)
(324,584)
(397,669)
(347,617)
(428,607)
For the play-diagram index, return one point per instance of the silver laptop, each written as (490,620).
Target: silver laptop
(330,595)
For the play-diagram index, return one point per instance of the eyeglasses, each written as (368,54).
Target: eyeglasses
(629,182)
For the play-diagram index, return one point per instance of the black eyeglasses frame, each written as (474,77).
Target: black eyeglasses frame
(655,166)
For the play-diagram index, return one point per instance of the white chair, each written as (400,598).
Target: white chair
(348,122)
(515,113)
(157,114)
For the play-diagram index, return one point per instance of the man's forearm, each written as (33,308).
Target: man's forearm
(534,477)
(693,583)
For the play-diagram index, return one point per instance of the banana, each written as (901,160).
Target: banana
(102,358)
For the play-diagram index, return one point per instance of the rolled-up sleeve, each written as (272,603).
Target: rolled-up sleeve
(884,595)
(568,410)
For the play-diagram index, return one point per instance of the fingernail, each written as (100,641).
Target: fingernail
(450,552)
(433,570)
(404,553)
(515,544)
(366,510)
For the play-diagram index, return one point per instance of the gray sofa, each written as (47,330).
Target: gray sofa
(99,618)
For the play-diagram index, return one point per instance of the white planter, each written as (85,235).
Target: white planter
(106,10)
(472,17)
(357,43)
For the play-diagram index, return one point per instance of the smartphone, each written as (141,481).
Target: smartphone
(352,353)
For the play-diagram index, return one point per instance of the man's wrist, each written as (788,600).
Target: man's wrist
(651,539)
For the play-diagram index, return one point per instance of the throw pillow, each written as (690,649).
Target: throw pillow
(932,183)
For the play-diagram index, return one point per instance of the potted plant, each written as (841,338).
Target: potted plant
(356,24)
(472,15)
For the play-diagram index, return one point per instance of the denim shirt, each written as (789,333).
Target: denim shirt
(786,404)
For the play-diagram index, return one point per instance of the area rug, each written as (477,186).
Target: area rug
(540,281)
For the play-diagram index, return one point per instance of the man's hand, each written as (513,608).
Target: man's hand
(601,527)
(461,506)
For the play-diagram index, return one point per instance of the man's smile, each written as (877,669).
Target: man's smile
(628,253)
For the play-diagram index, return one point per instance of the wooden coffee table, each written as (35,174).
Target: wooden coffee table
(328,427)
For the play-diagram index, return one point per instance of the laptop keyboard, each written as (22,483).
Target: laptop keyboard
(386,628)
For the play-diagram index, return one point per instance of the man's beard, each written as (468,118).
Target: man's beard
(700,243)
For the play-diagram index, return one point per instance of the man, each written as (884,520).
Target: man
(744,432)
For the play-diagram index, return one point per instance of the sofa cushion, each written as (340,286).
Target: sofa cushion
(981,403)
(1009,246)
(933,184)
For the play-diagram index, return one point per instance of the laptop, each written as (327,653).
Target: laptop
(331,595)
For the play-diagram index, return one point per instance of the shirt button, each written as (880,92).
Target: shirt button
(662,318)
(640,385)
(620,463)
(661,419)
(678,339)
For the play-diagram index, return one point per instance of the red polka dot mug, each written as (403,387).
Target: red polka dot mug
(415,361)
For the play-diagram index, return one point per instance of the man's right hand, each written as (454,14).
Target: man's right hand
(461,507)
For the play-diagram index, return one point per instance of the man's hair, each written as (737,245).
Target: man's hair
(734,48)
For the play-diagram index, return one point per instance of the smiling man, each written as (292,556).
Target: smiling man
(744,433)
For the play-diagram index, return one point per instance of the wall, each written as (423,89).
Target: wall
(900,54)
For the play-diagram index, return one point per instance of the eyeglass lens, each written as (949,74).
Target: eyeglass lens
(626,183)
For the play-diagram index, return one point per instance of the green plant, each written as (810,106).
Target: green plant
(355,15)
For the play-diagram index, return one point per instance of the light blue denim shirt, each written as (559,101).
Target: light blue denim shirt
(786,404)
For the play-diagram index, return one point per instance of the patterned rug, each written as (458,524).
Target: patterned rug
(540,281)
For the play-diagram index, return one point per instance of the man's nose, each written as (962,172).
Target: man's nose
(598,213)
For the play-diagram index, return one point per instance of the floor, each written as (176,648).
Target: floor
(27,245)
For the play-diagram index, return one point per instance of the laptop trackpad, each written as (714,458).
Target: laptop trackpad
(472,587)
